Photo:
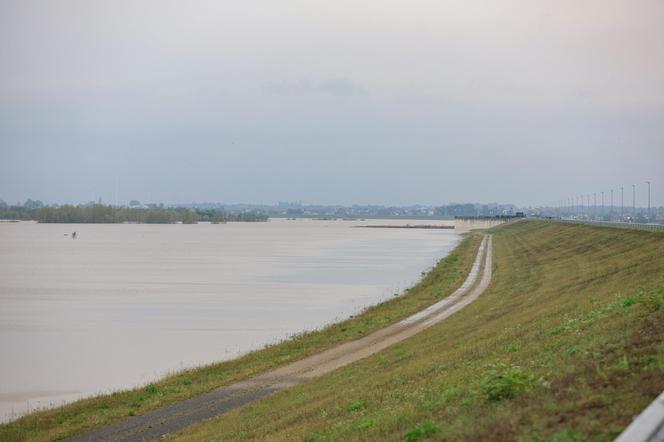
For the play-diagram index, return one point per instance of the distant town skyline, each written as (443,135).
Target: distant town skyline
(490,207)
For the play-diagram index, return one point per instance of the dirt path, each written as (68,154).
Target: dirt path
(171,418)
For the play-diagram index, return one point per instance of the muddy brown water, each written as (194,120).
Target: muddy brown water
(122,305)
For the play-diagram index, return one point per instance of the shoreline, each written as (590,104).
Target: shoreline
(287,277)
(160,422)
(341,335)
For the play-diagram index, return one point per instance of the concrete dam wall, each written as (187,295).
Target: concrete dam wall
(466,224)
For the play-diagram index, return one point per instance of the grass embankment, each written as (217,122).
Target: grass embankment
(86,414)
(565,345)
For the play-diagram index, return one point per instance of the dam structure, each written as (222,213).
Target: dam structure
(463,224)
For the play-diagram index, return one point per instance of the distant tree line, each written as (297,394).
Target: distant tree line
(17,213)
(100,213)
(103,214)
(26,211)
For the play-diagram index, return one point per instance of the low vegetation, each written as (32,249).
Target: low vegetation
(100,213)
(567,344)
(86,414)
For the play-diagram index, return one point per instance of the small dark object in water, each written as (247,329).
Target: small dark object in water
(73,235)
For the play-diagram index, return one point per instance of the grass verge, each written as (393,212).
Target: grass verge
(90,413)
(567,344)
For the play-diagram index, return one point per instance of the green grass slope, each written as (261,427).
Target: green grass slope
(565,345)
(90,413)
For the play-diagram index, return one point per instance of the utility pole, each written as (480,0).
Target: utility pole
(594,204)
(648,200)
(602,213)
(633,202)
(583,207)
(622,202)
(611,215)
(576,206)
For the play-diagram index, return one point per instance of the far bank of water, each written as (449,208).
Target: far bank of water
(122,305)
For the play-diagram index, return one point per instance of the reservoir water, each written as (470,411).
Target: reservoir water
(124,304)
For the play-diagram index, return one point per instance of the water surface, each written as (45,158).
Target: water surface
(122,305)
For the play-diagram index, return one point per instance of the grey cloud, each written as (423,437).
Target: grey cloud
(330,102)
(342,87)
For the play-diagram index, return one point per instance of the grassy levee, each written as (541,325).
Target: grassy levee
(565,345)
(90,413)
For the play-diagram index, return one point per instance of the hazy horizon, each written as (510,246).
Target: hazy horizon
(394,103)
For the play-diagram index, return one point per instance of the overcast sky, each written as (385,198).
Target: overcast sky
(387,102)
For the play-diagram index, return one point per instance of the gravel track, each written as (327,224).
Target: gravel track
(174,417)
